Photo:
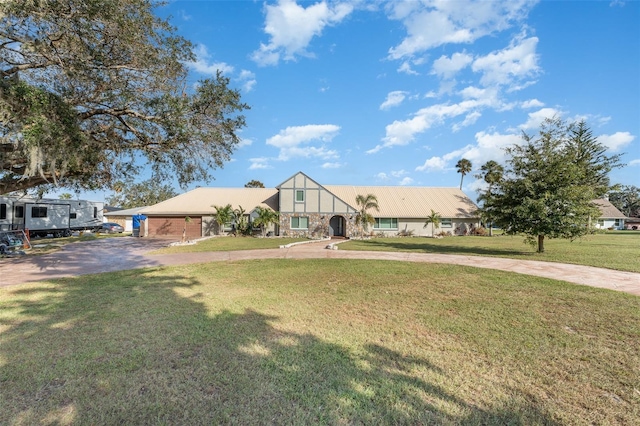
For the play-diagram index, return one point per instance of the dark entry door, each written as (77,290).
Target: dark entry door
(336,226)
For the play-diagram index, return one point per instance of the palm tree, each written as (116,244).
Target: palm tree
(223,215)
(187,220)
(434,220)
(241,220)
(363,218)
(266,217)
(463,166)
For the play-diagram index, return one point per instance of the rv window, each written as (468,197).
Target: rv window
(38,212)
(73,215)
(18,212)
(3,211)
(95,212)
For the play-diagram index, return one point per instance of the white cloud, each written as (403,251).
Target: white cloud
(536,118)
(259,163)
(248,80)
(406,181)
(382,176)
(398,173)
(244,142)
(394,98)
(292,141)
(405,67)
(291,27)
(616,141)
(431,24)
(509,66)
(635,162)
(331,165)
(432,164)
(202,64)
(401,133)
(531,103)
(469,119)
(446,67)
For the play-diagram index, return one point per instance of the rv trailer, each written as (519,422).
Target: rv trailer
(49,216)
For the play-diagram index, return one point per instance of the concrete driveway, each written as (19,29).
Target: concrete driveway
(117,254)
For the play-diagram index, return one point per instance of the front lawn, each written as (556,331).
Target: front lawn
(230,244)
(620,251)
(317,342)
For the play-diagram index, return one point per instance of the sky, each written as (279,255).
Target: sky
(395,93)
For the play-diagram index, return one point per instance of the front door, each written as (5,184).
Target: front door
(336,226)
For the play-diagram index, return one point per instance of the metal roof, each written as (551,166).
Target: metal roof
(410,201)
(200,201)
(608,210)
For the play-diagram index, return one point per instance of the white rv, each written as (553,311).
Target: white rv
(49,216)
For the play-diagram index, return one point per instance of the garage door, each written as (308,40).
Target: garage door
(173,226)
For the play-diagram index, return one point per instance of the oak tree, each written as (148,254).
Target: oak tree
(91,91)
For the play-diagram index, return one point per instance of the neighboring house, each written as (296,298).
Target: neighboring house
(610,216)
(632,223)
(308,208)
(123,217)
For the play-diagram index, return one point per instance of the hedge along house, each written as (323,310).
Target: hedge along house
(309,209)
(168,217)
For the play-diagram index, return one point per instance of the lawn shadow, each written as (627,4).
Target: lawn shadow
(140,347)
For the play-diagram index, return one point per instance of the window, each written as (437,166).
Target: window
(95,212)
(299,222)
(38,212)
(445,223)
(73,215)
(18,212)
(299,196)
(3,211)
(601,223)
(617,223)
(385,223)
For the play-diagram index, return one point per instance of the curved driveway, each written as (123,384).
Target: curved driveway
(117,254)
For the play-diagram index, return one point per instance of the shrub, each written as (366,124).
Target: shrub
(406,233)
(480,231)
(444,234)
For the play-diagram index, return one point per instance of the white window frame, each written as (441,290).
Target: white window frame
(446,223)
(391,220)
(299,191)
(298,220)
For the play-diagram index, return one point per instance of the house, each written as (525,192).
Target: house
(610,216)
(308,208)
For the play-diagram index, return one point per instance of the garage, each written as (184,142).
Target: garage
(172,226)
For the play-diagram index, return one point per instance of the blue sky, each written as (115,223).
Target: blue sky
(395,93)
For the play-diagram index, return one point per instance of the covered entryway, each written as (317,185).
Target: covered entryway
(336,226)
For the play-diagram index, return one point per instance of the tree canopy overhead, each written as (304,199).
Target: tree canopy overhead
(89,89)
(550,182)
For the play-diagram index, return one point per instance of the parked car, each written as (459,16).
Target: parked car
(112,228)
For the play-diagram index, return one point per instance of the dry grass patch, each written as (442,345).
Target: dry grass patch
(317,342)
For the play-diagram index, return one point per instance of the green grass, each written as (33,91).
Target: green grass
(620,251)
(317,342)
(230,244)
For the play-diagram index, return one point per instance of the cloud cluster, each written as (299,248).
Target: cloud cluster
(291,28)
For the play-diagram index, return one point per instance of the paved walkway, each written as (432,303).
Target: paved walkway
(116,254)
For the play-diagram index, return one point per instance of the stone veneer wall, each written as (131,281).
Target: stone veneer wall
(318,225)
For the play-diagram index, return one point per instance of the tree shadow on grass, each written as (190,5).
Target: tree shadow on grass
(132,348)
(420,245)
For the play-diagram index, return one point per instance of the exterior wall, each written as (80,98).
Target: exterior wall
(172,226)
(319,206)
(318,225)
(609,223)
(458,227)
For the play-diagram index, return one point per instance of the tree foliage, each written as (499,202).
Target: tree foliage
(265,217)
(492,173)
(223,215)
(89,89)
(433,219)
(463,166)
(254,184)
(129,194)
(363,217)
(627,200)
(550,183)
